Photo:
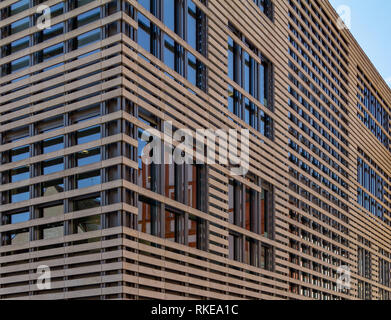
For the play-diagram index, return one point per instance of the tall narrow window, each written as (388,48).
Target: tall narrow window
(253,74)
(148,174)
(148,215)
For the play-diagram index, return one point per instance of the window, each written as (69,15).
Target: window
(86,39)
(50,231)
(197,186)
(255,78)
(266,6)
(20,194)
(249,209)
(50,52)
(20,44)
(88,17)
(16,217)
(196,28)
(50,124)
(57,10)
(251,256)
(384,272)
(49,188)
(18,7)
(88,179)
(174,229)
(234,244)
(86,157)
(264,213)
(364,290)
(173,14)
(20,173)
(265,262)
(172,54)
(87,202)
(20,153)
(19,25)
(50,33)
(364,263)
(87,224)
(86,113)
(80,3)
(52,166)
(196,233)
(19,64)
(148,35)
(148,174)
(88,135)
(53,144)
(196,72)
(51,210)
(148,213)
(16,237)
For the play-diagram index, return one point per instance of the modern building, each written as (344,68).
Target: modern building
(311,217)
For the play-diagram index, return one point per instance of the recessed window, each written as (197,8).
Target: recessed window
(20,64)
(51,52)
(16,237)
(50,124)
(254,214)
(88,38)
(20,173)
(53,144)
(50,231)
(87,224)
(16,217)
(19,25)
(18,7)
(20,153)
(172,226)
(56,10)
(148,210)
(88,17)
(86,113)
(86,157)
(51,210)
(20,194)
(20,44)
(52,166)
(88,179)
(86,203)
(88,135)
(52,187)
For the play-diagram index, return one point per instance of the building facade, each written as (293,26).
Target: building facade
(311,217)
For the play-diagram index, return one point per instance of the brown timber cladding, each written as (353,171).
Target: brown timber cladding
(75,198)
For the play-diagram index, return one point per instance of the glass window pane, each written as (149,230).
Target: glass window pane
(88,135)
(19,174)
(53,165)
(19,25)
(169,14)
(20,194)
(87,224)
(20,153)
(88,179)
(53,144)
(88,156)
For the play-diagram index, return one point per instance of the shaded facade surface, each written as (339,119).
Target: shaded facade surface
(76,98)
